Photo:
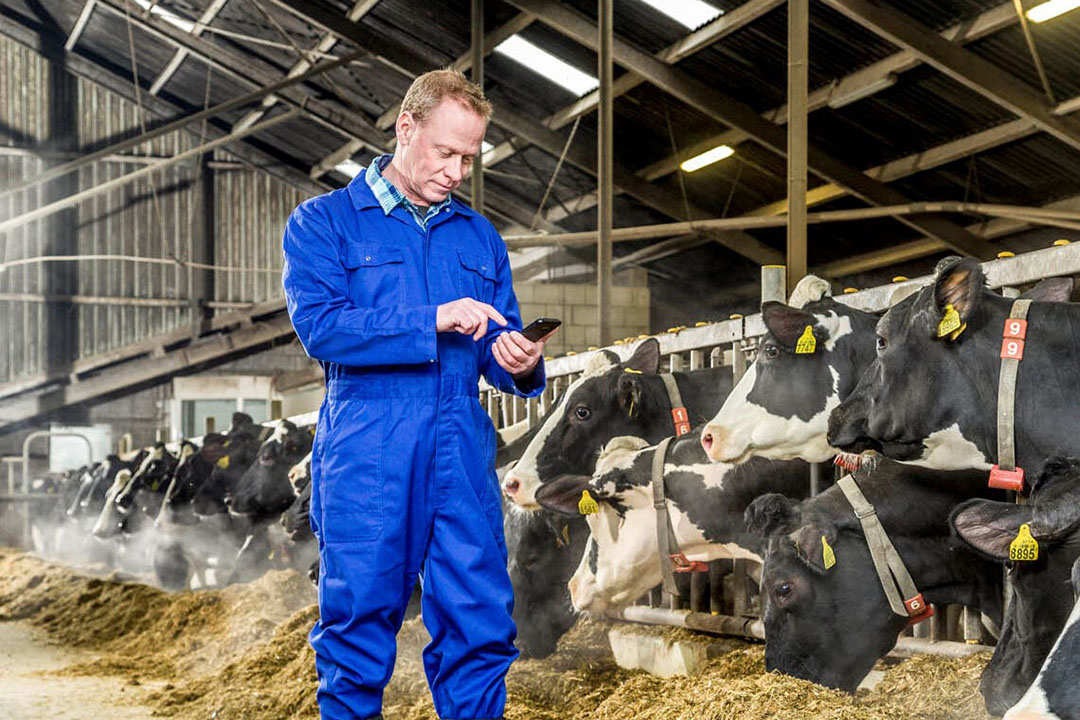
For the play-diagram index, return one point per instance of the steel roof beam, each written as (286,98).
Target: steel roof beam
(177,59)
(728,110)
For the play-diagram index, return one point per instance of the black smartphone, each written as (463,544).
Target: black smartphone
(540,327)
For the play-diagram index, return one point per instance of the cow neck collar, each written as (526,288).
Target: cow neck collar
(1005,474)
(904,597)
(679,416)
(672,559)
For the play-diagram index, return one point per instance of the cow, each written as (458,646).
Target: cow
(241,447)
(611,399)
(930,396)
(193,469)
(706,502)
(297,518)
(780,407)
(96,484)
(1042,598)
(138,501)
(1055,694)
(825,612)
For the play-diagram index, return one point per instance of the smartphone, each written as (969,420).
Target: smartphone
(540,327)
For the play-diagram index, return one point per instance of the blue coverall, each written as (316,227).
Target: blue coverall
(403,477)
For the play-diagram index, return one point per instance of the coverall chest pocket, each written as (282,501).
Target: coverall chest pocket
(476,276)
(375,274)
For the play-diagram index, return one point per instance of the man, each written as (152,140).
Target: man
(404,295)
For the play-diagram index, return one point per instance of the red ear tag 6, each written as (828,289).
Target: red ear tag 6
(1007,479)
(1015,328)
(681,419)
(1012,348)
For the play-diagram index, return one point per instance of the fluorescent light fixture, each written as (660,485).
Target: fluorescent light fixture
(841,96)
(350,168)
(690,13)
(485,146)
(708,157)
(166,15)
(543,63)
(1042,13)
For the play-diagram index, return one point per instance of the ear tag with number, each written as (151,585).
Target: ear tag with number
(951,324)
(587,506)
(223,463)
(827,554)
(1024,548)
(807,343)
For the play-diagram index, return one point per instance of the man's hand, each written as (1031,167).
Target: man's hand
(466,316)
(517,354)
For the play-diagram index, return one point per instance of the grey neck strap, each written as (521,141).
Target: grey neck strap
(1005,474)
(679,415)
(665,535)
(904,598)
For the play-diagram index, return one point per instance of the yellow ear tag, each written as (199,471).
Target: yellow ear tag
(827,554)
(587,506)
(950,324)
(223,463)
(1024,548)
(632,371)
(807,343)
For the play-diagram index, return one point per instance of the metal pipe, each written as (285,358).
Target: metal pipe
(70,200)
(773,287)
(605,169)
(945,648)
(797,93)
(180,123)
(751,628)
(478,78)
(27,540)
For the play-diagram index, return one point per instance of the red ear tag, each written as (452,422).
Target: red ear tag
(683,565)
(1015,328)
(1007,479)
(681,419)
(1012,348)
(918,610)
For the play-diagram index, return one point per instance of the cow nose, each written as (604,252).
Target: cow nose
(707,440)
(511,486)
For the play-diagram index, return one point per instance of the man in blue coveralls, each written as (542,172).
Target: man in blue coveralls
(404,295)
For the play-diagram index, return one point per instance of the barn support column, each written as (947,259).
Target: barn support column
(605,170)
(202,280)
(798,80)
(478,78)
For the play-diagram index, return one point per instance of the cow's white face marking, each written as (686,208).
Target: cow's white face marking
(1035,704)
(278,434)
(743,429)
(299,471)
(157,453)
(948,449)
(186,451)
(525,473)
(107,520)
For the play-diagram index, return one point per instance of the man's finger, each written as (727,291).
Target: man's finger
(481,327)
(501,358)
(490,312)
(525,344)
(514,350)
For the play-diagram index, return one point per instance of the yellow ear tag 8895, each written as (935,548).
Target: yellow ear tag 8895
(950,324)
(1024,548)
(586,505)
(807,343)
(827,554)
(223,463)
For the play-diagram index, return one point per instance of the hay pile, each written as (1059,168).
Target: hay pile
(243,653)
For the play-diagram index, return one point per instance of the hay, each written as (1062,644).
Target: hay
(242,652)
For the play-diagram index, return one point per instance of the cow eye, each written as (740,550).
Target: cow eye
(771,351)
(882,343)
(784,593)
(582,412)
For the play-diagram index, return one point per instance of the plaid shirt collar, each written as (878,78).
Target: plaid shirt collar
(389,197)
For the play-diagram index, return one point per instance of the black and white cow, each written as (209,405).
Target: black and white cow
(241,447)
(830,625)
(1042,597)
(264,489)
(706,502)
(933,400)
(780,407)
(611,399)
(192,471)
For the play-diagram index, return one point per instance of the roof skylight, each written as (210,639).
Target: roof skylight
(349,168)
(166,15)
(690,13)
(543,63)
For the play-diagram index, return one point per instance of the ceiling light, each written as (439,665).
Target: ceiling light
(841,96)
(166,15)
(543,63)
(691,13)
(1042,13)
(708,157)
(350,168)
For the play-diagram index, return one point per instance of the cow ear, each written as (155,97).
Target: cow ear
(990,526)
(815,542)
(1051,290)
(1076,579)
(601,361)
(959,283)
(771,514)
(646,358)
(630,392)
(563,494)
(787,324)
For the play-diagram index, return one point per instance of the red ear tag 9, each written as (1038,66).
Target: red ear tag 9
(1007,479)
(1012,348)
(1015,328)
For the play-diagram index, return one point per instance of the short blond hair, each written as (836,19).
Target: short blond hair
(428,90)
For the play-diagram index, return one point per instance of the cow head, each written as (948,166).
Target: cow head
(150,481)
(264,488)
(297,517)
(1042,598)
(930,396)
(544,548)
(192,471)
(610,399)
(781,405)
(241,445)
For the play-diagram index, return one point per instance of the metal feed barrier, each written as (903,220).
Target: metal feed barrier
(725,600)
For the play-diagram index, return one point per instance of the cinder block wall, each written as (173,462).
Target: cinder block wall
(575,305)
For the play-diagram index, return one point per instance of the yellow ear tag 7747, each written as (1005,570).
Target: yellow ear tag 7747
(586,505)
(827,555)
(950,324)
(807,343)
(1024,548)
